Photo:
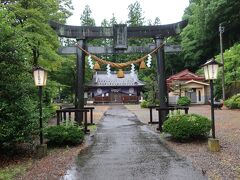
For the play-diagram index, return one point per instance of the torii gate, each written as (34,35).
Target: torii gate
(119,33)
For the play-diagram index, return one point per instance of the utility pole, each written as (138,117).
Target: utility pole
(221,31)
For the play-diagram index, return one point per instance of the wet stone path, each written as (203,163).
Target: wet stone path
(125,149)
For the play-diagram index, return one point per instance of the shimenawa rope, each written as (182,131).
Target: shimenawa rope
(118,65)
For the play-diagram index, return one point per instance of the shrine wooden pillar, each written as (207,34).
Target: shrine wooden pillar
(161,76)
(79,99)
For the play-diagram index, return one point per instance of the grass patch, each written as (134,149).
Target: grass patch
(92,128)
(57,150)
(10,172)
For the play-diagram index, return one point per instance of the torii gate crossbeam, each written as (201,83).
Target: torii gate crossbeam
(93,32)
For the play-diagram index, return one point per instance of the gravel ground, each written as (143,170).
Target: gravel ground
(58,160)
(52,166)
(221,165)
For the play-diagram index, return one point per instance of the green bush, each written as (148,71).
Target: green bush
(144,104)
(233,102)
(187,126)
(184,101)
(64,135)
(157,102)
(50,111)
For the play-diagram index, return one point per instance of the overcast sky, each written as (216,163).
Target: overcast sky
(169,11)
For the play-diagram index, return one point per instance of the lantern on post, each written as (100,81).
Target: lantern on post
(40,76)
(210,71)
(40,79)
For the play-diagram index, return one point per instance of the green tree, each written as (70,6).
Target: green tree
(105,23)
(135,15)
(86,17)
(136,18)
(157,21)
(17,105)
(232,71)
(200,39)
(88,20)
(26,40)
(113,20)
(33,18)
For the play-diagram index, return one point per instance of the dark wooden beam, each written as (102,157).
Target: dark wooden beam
(79,103)
(81,32)
(110,50)
(162,85)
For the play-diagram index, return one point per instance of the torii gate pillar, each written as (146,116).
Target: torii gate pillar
(161,76)
(79,99)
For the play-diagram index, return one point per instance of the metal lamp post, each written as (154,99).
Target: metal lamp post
(221,31)
(40,79)
(210,72)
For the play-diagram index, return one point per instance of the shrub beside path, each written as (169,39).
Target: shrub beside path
(221,165)
(58,160)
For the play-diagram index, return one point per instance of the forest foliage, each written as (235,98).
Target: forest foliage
(200,39)
(28,40)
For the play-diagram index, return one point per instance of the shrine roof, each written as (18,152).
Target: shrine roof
(197,82)
(185,75)
(102,79)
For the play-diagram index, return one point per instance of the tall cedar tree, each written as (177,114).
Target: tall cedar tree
(26,40)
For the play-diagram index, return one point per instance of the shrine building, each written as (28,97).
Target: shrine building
(108,88)
(186,83)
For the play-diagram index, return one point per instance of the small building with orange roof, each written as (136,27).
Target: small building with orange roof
(187,83)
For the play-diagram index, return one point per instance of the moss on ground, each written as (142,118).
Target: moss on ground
(92,128)
(11,171)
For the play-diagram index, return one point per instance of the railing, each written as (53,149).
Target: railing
(166,110)
(151,107)
(91,114)
(70,114)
